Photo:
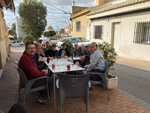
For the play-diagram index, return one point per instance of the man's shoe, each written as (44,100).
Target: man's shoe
(91,88)
(42,100)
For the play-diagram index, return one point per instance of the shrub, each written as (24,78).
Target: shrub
(69,46)
(28,38)
(109,52)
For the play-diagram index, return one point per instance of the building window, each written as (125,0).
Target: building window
(98,31)
(142,32)
(78,26)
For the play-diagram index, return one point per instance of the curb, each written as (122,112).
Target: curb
(133,98)
(134,66)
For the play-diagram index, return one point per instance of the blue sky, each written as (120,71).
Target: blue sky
(55,18)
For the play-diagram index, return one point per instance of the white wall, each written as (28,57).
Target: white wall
(127,23)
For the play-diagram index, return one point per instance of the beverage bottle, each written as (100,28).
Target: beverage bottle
(47,59)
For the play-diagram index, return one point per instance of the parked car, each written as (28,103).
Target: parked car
(21,43)
(79,40)
(15,43)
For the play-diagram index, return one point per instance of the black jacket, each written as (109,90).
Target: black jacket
(50,53)
(87,58)
(67,52)
(35,58)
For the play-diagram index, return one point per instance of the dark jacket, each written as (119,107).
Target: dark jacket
(51,53)
(27,64)
(67,52)
(87,58)
(78,52)
(35,58)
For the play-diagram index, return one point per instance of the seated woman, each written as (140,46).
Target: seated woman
(64,51)
(97,61)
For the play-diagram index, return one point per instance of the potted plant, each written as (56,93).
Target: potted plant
(110,55)
(69,47)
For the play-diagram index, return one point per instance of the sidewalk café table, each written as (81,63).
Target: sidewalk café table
(61,66)
(74,58)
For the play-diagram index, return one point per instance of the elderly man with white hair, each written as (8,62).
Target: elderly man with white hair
(77,51)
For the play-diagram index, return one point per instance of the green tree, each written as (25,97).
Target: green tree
(49,33)
(28,38)
(33,14)
(13,32)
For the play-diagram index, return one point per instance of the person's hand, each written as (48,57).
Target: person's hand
(45,71)
(84,71)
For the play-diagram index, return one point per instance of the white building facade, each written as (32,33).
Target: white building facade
(126,26)
(19,28)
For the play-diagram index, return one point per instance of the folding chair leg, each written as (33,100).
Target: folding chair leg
(24,98)
(107,93)
(87,108)
(58,103)
(60,108)
(104,88)
(48,95)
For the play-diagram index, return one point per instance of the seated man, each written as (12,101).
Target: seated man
(64,51)
(83,49)
(85,60)
(47,46)
(77,51)
(27,64)
(97,61)
(36,57)
(53,52)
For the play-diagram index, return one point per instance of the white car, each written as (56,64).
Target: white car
(79,40)
(21,43)
(16,43)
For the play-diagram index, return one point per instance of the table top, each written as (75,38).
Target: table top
(44,59)
(74,58)
(58,62)
(63,68)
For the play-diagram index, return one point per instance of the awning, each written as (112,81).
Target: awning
(10,5)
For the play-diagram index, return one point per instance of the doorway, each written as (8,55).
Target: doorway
(115,36)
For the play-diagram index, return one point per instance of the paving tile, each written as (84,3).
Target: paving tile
(98,102)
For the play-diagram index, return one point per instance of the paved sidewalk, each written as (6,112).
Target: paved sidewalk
(134,63)
(98,102)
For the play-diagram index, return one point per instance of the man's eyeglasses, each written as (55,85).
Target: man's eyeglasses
(31,48)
